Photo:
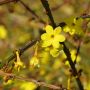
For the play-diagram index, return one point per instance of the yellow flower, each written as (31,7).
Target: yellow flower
(8,82)
(18,63)
(28,86)
(73,56)
(34,61)
(70,29)
(54,51)
(52,37)
(3,32)
(74,27)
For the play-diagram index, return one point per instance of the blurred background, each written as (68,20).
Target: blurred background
(19,26)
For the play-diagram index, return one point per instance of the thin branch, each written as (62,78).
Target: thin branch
(66,50)
(27,8)
(7,1)
(74,71)
(85,23)
(78,50)
(32,12)
(48,11)
(83,16)
(21,50)
(2,73)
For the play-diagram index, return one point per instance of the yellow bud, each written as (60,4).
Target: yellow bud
(3,32)
(34,61)
(18,63)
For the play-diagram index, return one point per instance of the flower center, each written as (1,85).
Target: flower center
(52,36)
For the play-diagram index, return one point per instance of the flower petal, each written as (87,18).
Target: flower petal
(44,36)
(49,29)
(72,32)
(57,30)
(46,43)
(59,38)
(66,29)
(34,61)
(54,52)
(56,44)
(67,63)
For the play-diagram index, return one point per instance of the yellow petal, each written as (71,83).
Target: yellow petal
(46,43)
(72,32)
(57,30)
(28,86)
(17,55)
(44,36)
(66,29)
(34,61)
(59,38)
(54,52)
(74,20)
(56,44)
(49,29)
(3,32)
(67,63)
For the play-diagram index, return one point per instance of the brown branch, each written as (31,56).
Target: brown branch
(66,50)
(34,15)
(78,50)
(72,65)
(83,16)
(2,73)
(7,1)
(21,50)
(85,23)
(32,12)
(48,12)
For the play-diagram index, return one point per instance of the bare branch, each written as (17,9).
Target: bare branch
(48,11)
(32,12)
(7,1)
(21,50)
(34,15)
(2,73)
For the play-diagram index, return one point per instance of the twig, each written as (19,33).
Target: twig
(85,23)
(7,1)
(48,11)
(78,50)
(21,50)
(66,50)
(74,71)
(27,8)
(2,73)
(32,12)
(83,16)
